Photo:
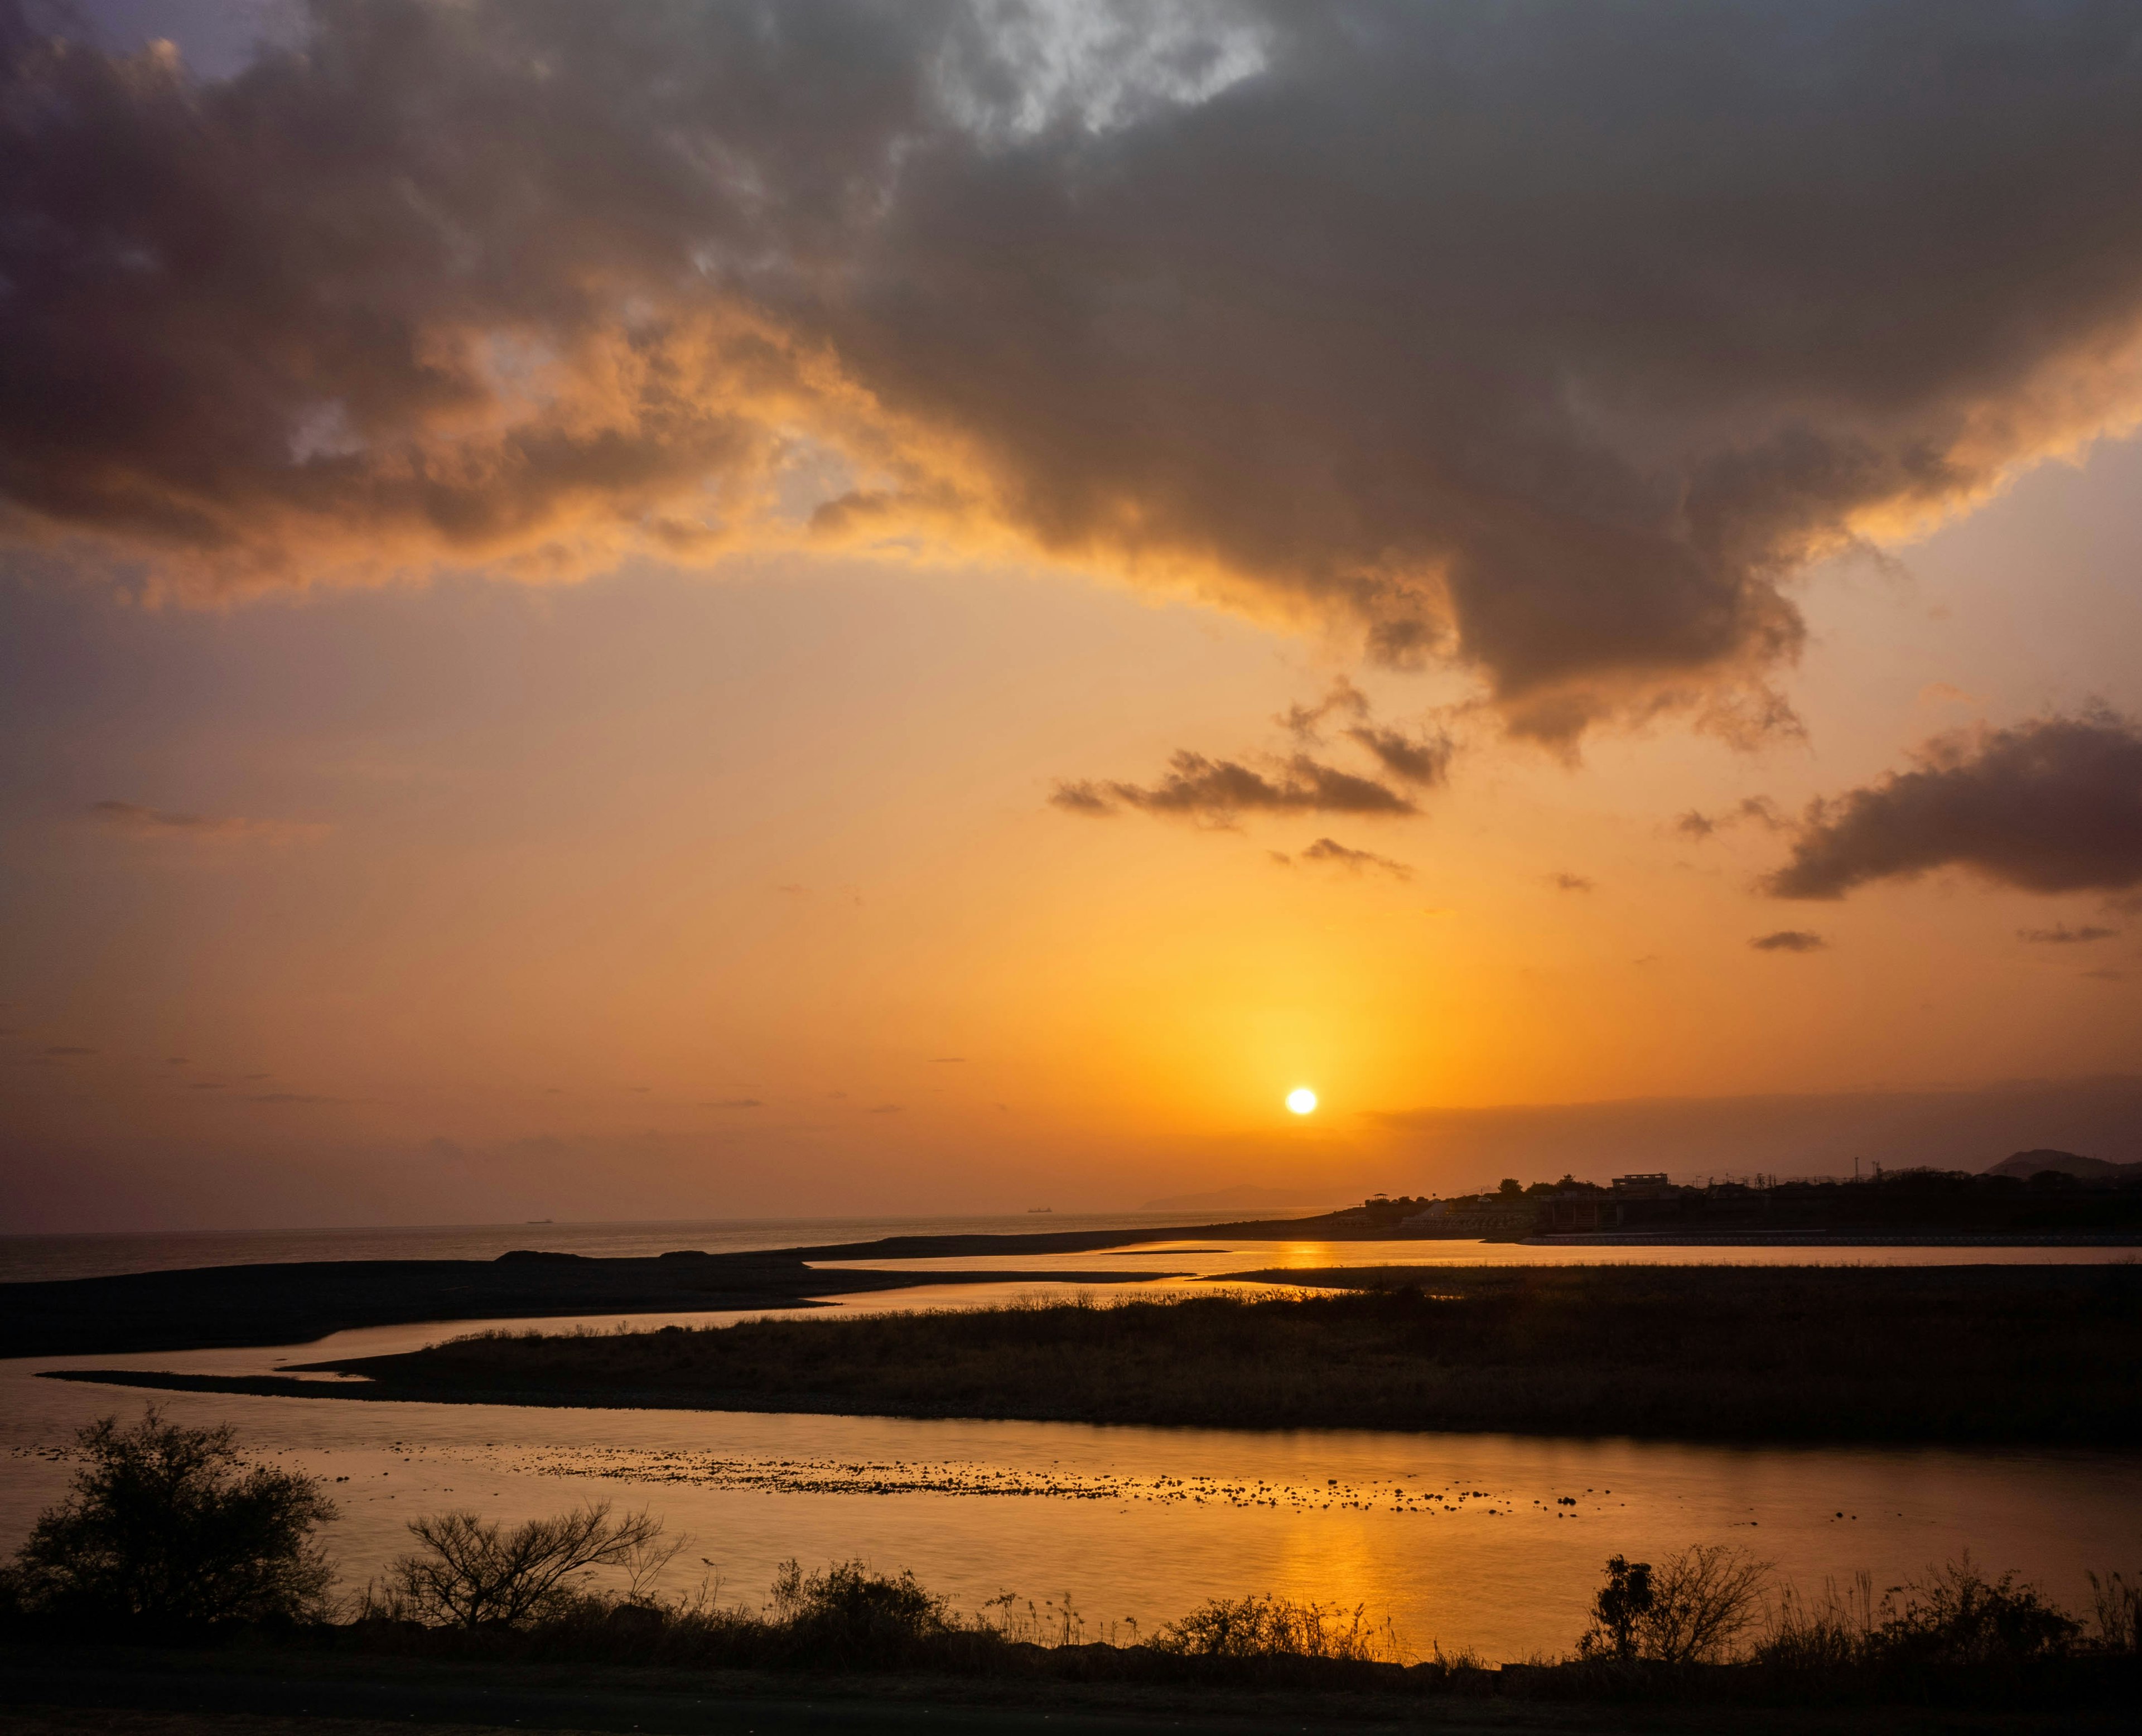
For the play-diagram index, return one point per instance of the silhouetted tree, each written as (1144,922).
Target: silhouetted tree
(167,1523)
(472,1573)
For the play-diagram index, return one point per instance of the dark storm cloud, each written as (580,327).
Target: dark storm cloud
(2050,805)
(1549,336)
(1792,940)
(1330,850)
(1218,790)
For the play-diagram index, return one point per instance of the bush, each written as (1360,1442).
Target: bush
(165,1524)
(1958,1616)
(1271,1627)
(470,1573)
(1690,1610)
(2117,1608)
(846,1614)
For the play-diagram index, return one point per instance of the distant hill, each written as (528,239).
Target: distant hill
(1247,1198)
(2023,1164)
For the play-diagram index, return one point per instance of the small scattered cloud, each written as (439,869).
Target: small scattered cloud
(1946,692)
(144,822)
(732,1103)
(1353,861)
(1423,760)
(1570,883)
(177,1061)
(2106,975)
(1753,810)
(793,889)
(2050,805)
(68,1049)
(1217,792)
(885,1109)
(1302,721)
(290,1097)
(1791,940)
(946,1060)
(2061,935)
(206,1085)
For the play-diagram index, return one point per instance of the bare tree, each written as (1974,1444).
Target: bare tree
(1702,1601)
(470,1573)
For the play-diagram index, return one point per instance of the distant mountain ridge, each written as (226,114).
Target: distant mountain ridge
(2023,1164)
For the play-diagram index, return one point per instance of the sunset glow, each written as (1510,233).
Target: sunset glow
(626,700)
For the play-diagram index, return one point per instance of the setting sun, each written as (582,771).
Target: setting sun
(1301,1100)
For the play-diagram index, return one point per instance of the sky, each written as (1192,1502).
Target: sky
(736,610)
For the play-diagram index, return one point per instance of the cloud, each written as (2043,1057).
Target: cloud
(1570,883)
(1218,791)
(290,1097)
(1792,940)
(1302,721)
(1330,850)
(68,1049)
(1551,340)
(1426,761)
(2063,935)
(732,1103)
(2050,805)
(127,816)
(1754,810)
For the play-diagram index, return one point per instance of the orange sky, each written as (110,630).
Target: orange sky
(728,880)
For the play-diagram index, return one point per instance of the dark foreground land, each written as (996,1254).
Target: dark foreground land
(2042,1355)
(51,1690)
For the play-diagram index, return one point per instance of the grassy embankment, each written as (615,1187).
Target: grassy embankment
(2038,1354)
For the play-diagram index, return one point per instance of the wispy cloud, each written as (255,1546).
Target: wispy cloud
(1790,940)
(138,821)
(1331,852)
(1218,790)
(2063,935)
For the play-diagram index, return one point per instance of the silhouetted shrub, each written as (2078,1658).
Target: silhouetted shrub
(1690,1610)
(1268,1627)
(167,1524)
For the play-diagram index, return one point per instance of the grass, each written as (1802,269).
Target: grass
(2020,1354)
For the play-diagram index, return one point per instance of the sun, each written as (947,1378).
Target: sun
(1301,1100)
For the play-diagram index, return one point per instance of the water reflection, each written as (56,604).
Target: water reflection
(1460,1540)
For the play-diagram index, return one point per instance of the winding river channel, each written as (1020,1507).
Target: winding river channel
(1490,1542)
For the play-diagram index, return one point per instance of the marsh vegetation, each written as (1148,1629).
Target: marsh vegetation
(2040,1354)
